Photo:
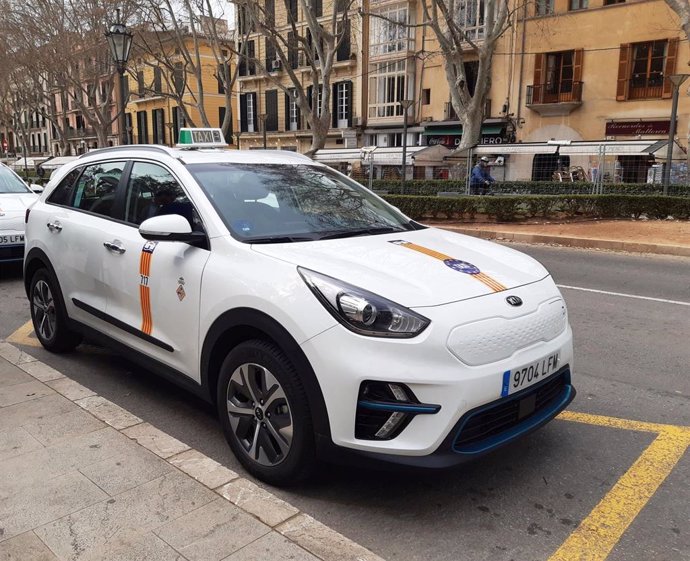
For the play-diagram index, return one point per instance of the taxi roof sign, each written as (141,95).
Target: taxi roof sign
(201,138)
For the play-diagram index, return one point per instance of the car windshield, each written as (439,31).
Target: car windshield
(10,183)
(267,203)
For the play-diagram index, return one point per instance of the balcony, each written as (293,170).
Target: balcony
(554,98)
(646,87)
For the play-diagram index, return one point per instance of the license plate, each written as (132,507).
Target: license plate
(12,239)
(523,377)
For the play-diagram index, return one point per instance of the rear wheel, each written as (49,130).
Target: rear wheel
(265,414)
(48,314)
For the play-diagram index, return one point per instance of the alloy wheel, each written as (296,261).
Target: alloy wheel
(43,305)
(259,414)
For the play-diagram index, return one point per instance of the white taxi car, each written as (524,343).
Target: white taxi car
(321,321)
(15,198)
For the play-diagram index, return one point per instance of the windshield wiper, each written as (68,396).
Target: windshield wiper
(279,239)
(361,232)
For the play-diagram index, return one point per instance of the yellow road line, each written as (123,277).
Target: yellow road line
(25,336)
(598,534)
(616,423)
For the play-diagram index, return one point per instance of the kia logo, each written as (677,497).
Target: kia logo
(514,300)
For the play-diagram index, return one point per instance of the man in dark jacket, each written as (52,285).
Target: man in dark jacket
(481,179)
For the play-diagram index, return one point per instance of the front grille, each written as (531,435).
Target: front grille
(479,430)
(11,253)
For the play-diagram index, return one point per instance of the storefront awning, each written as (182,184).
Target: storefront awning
(55,163)
(444,130)
(381,156)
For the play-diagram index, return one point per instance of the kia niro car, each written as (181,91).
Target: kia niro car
(320,320)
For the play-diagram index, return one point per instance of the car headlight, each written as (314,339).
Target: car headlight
(361,311)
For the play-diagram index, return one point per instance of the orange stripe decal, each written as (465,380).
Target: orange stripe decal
(144,289)
(455,264)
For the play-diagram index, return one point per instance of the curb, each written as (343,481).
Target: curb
(282,517)
(589,243)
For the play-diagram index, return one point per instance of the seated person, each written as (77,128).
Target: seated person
(164,203)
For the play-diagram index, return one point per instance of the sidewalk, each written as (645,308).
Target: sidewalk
(83,479)
(654,236)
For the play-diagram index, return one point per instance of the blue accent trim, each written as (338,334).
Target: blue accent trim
(506,383)
(417,408)
(525,426)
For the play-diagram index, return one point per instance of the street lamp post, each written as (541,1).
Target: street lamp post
(676,81)
(405,104)
(263,118)
(120,42)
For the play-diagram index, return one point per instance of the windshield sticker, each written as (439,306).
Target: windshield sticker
(455,264)
(144,290)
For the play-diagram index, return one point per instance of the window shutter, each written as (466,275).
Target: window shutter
(270,55)
(292,50)
(272,110)
(317,6)
(298,115)
(578,55)
(251,54)
(344,47)
(538,65)
(348,85)
(670,67)
(623,72)
(334,115)
(243,112)
(310,97)
(254,111)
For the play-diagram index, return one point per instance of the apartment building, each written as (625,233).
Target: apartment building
(267,103)
(159,85)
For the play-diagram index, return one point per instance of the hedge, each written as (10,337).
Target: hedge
(511,208)
(434,186)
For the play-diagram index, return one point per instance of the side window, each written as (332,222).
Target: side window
(153,191)
(64,192)
(97,187)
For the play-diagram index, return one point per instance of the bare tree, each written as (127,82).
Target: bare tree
(173,38)
(466,30)
(313,42)
(682,10)
(63,44)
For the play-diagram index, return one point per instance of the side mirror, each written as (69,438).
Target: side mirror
(169,228)
(36,188)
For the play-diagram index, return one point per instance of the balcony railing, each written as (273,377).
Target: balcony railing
(566,91)
(646,87)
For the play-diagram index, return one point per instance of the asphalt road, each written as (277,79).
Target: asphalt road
(520,503)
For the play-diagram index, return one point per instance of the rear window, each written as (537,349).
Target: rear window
(10,182)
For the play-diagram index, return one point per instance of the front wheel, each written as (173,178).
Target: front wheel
(48,314)
(265,414)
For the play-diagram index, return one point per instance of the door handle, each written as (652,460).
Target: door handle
(115,247)
(54,226)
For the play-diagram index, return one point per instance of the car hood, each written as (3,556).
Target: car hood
(16,202)
(418,268)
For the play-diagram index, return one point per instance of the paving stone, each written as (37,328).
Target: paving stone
(25,547)
(136,511)
(13,354)
(273,547)
(19,393)
(157,441)
(125,471)
(70,389)
(203,469)
(266,507)
(40,504)
(23,413)
(323,541)
(108,412)
(41,371)
(212,532)
(17,441)
(10,374)
(49,430)
(138,547)
(37,468)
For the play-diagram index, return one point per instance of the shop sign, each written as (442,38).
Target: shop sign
(634,128)
(452,141)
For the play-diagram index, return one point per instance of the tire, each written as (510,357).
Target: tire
(260,398)
(48,314)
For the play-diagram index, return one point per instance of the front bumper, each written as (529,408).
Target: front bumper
(425,364)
